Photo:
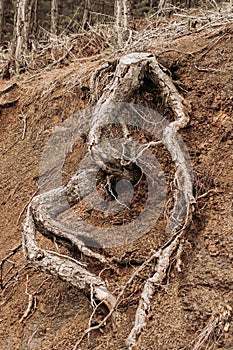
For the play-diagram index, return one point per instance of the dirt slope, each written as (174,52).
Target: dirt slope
(202,67)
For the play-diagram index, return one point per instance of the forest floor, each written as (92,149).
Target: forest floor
(201,63)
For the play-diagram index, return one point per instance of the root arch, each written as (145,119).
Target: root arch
(43,211)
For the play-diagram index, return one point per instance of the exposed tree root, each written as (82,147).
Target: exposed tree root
(31,304)
(219,321)
(62,266)
(131,73)
(149,289)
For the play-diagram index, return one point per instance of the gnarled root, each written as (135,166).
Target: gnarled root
(64,267)
(131,72)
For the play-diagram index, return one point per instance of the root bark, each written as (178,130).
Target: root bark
(130,74)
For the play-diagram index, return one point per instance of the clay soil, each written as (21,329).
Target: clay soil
(201,65)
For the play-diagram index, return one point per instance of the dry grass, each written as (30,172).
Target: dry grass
(57,51)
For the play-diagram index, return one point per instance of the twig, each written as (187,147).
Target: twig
(25,206)
(10,146)
(206,193)
(34,193)
(13,251)
(9,296)
(8,88)
(12,192)
(32,336)
(211,70)
(29,307)
(31,304)
(24,126)
(15,275)
(56,305)
(178,256)
(210,46)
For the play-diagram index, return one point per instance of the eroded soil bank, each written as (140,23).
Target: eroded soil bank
(201,65)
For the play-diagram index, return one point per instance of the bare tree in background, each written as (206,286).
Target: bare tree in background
(25,30)
(161,5)
(86,14)
(54,17)
(122,14)
(1,18)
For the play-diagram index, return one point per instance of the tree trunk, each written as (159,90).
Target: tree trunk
(161,5)
(54,17)
(151,4)
(1,19)
(25,30)
(122,15)
(33,32)
(86,15)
